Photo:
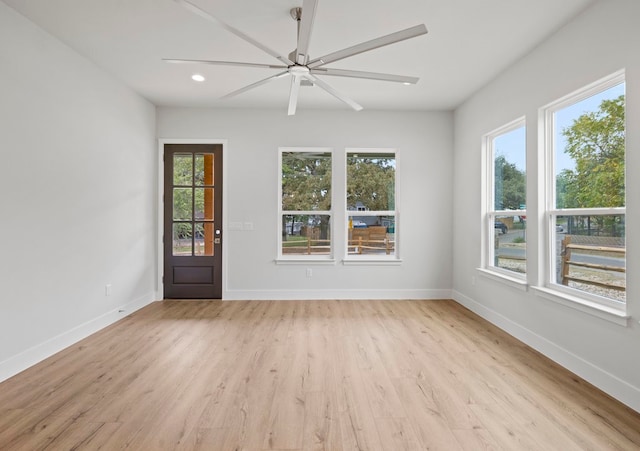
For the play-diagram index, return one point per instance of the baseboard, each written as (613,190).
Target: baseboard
(271,295)
(605,381)
(20,362)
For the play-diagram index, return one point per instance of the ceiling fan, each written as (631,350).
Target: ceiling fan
(298,64)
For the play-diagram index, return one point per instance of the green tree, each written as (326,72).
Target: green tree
(371,181)
(510,185)
(306,181)
(596,142)
(564,180)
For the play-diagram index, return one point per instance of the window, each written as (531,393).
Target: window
(585,138)
(506,187)
(305,206)
(371,204)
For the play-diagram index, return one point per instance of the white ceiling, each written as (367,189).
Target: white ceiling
(469,43)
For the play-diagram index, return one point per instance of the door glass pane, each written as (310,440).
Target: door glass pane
(182,169)
(204,169)
(182,204)
(182,233)
(204,203)
(204,239)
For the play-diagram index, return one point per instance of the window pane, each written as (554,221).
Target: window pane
(182,169)
(509,153)
(589,151)
(372,235)
(510,243)
(306,234)
(590,254)
(508,188)
(371,181)
(306,181)
(182,233)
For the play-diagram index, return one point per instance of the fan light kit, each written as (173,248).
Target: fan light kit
(302,69)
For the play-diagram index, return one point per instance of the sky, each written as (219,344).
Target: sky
(513,144)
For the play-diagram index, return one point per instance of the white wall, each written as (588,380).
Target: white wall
(77,190)
(424,142)
(604,39)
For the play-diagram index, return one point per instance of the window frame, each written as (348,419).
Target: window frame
(489,212)
(548,249)
(372,258)
(318,258)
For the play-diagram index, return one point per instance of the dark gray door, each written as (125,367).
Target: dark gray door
(192,221)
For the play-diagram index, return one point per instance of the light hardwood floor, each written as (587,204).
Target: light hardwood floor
(307,375)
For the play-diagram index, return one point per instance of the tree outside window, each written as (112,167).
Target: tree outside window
(371,203)
(506,191)
(306,202)
(588,221)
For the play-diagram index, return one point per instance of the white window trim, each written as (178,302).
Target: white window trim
(371,260)
(305,259)
(487,269)
(596,305)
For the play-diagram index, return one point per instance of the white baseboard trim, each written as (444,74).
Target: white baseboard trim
(605,381)
(20,362)
(274,295)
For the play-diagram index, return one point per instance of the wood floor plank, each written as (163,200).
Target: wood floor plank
(307,375)
(321,422)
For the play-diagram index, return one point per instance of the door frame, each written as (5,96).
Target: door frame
(160,209)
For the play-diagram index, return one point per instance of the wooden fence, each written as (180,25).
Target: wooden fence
(567,263)
(362,246)
(307,246)
(370,240)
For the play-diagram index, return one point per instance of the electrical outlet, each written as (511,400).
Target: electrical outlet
(309,272)
(107,289)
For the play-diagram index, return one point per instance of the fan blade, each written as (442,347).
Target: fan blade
(255,85)
(333,92)
(223,63)
(293,95)
(369,75)
(306,26)
(369,45)
(202,13)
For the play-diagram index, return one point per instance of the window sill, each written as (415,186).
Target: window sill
(305,261)
(610,314)
(514,282)
(371,262)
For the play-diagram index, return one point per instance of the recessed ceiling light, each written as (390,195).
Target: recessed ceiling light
(197,77)
(406,84)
